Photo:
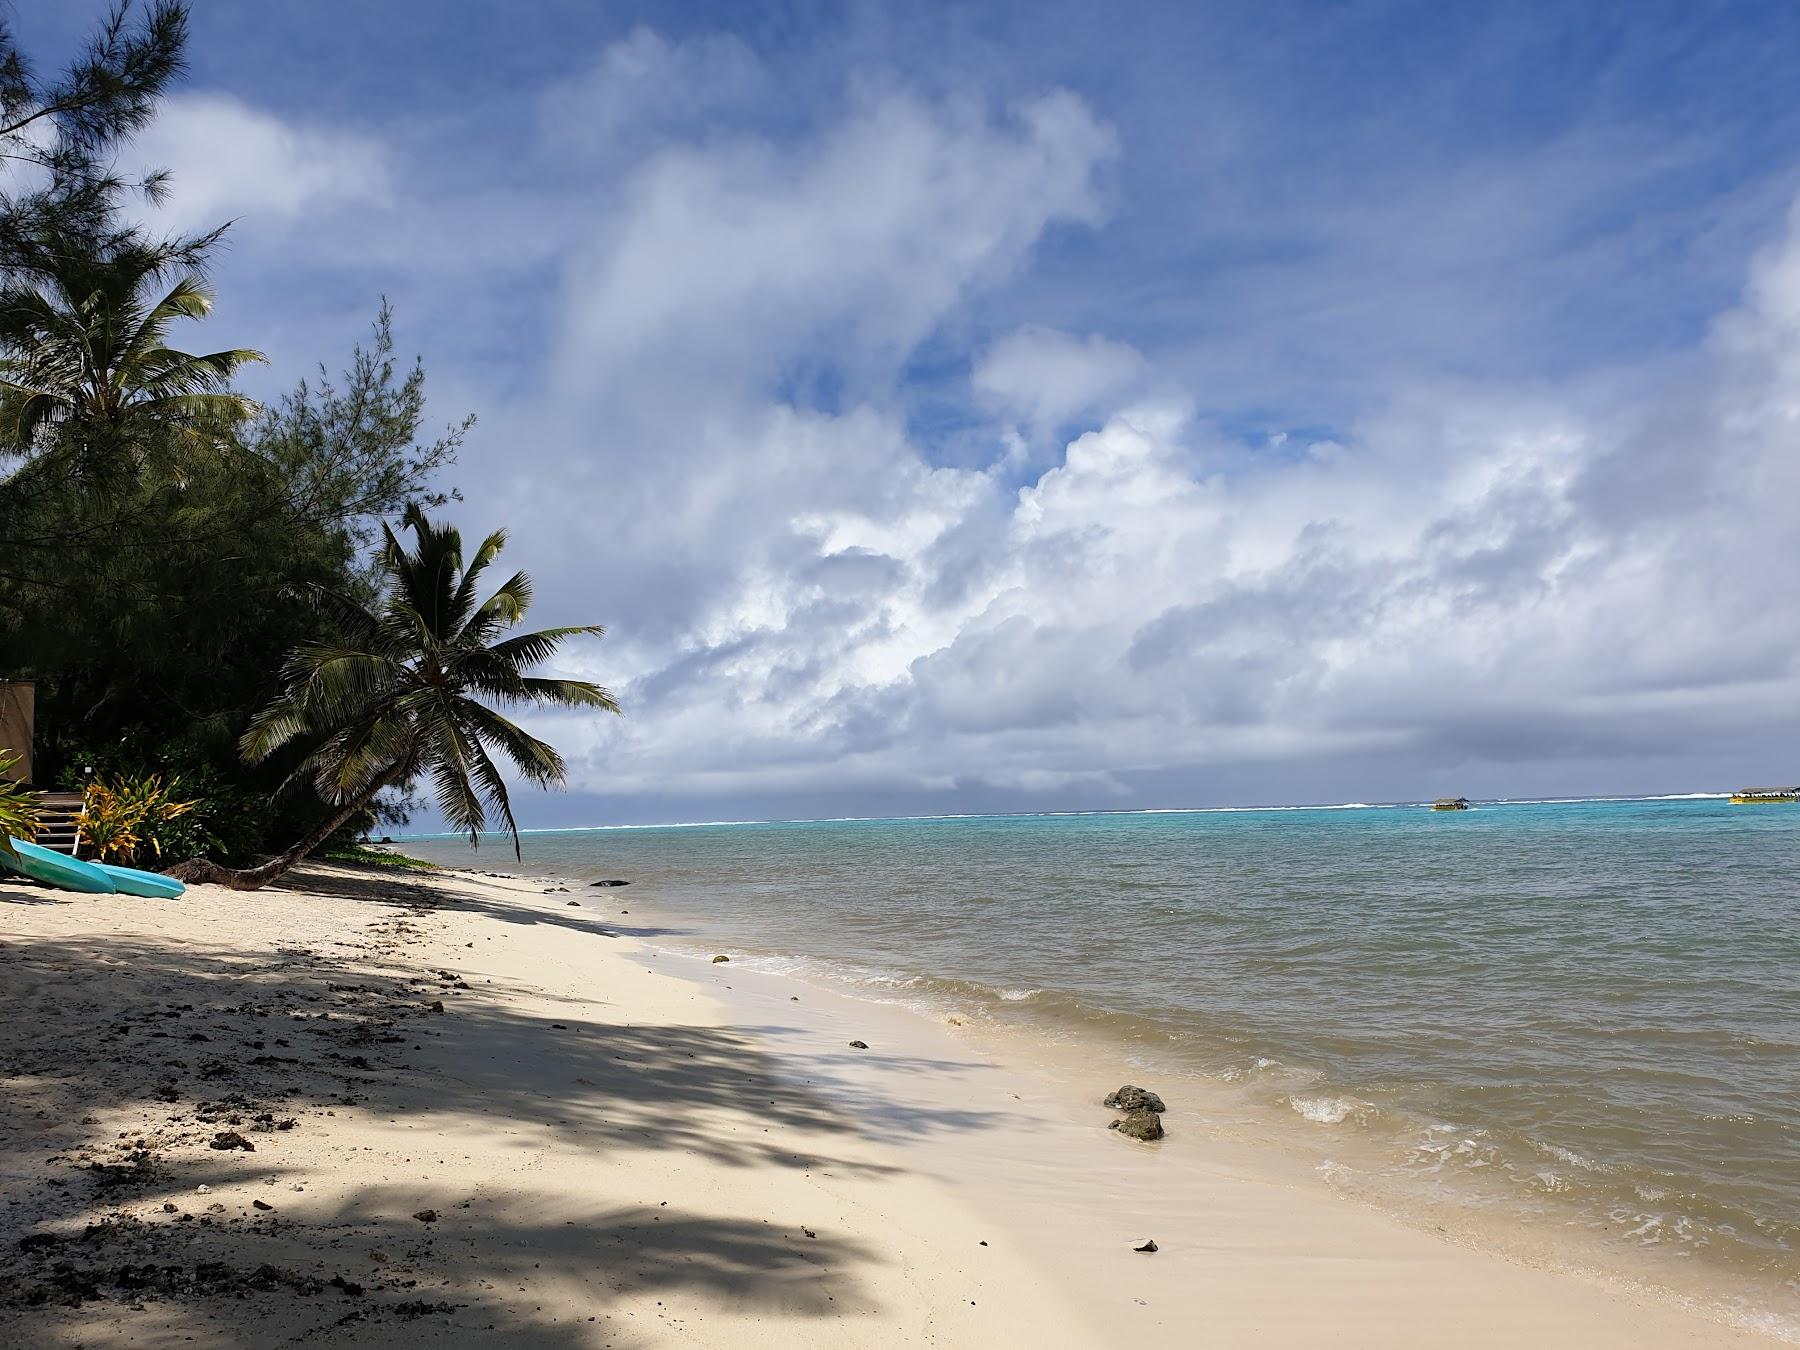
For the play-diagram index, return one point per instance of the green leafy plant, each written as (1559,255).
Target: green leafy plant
(124,821)
(18,808)
(404,688)
(228,820)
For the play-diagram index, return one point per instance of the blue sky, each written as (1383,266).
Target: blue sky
(1042,407)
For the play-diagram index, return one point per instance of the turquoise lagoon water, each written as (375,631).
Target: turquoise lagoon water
(1583,1013)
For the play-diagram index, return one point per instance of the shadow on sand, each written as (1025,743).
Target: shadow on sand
(142,1054)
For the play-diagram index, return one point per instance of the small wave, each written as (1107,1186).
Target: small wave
(1330,1110)
(1571,1157)
(1018,995)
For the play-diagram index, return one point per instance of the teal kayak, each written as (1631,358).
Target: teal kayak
(57,869)
(153,885)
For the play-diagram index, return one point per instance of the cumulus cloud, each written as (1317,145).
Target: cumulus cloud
(1480,575)
(1472,584)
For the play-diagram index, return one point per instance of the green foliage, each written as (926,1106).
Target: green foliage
(87,341)
(131,821)
(346,453)
(18,807)
(404,687)
(156,608)
(375,857)
(229,821)
(160,537)
(59,137)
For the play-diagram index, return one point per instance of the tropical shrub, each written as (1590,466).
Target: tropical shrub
(228,821)
(128,822)
(18,807)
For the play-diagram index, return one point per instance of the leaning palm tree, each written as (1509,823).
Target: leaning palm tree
(87,341)
(400,693)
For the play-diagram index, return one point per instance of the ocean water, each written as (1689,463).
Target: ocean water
(1580,1015)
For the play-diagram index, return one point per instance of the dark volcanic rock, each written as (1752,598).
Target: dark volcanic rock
(609,883)
(1145,1125)
(1149,1246)
(1129,1098)
(859,1045)
(226,1139)
(718,959)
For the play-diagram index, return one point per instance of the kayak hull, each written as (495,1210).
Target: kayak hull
(150,885)
(57,869)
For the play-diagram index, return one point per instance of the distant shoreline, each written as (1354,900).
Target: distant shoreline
(1423,802)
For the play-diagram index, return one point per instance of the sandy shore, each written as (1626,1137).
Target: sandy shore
(373,1109)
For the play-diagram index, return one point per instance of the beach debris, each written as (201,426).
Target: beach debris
(261,1204)
(228,1139)
(809,1232)
(609,883)
(859,1045)
(1149,1246)
(718,959)
(1142,1124)
(1129,1098)
(574,904)
(426,1216)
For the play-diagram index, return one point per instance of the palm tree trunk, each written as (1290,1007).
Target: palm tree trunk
(203,870)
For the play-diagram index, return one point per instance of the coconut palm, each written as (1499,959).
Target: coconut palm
(404,692)
(87,340)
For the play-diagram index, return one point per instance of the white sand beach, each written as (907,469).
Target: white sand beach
(361,1108)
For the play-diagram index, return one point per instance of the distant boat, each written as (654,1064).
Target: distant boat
(1450,804)
(1745,796)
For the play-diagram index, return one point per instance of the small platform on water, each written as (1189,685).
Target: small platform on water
(1749,796)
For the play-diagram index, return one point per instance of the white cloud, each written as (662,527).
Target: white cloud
(729,259)
(231,160)
(1045,377)
(647,84)
(804,598)
(1469,578)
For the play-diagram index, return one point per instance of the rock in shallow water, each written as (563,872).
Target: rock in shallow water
(1129,1098)
(1141,1124)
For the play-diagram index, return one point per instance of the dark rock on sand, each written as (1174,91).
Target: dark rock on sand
(609,883)
(1143,1124)
(1149,1246)
(859,1045)
(426,1216)
(718,959)
(1129,1098)
(226,1139)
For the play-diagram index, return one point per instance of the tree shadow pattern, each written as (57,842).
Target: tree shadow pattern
(156,1068)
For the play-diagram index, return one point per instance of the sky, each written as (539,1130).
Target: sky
(1057,407)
